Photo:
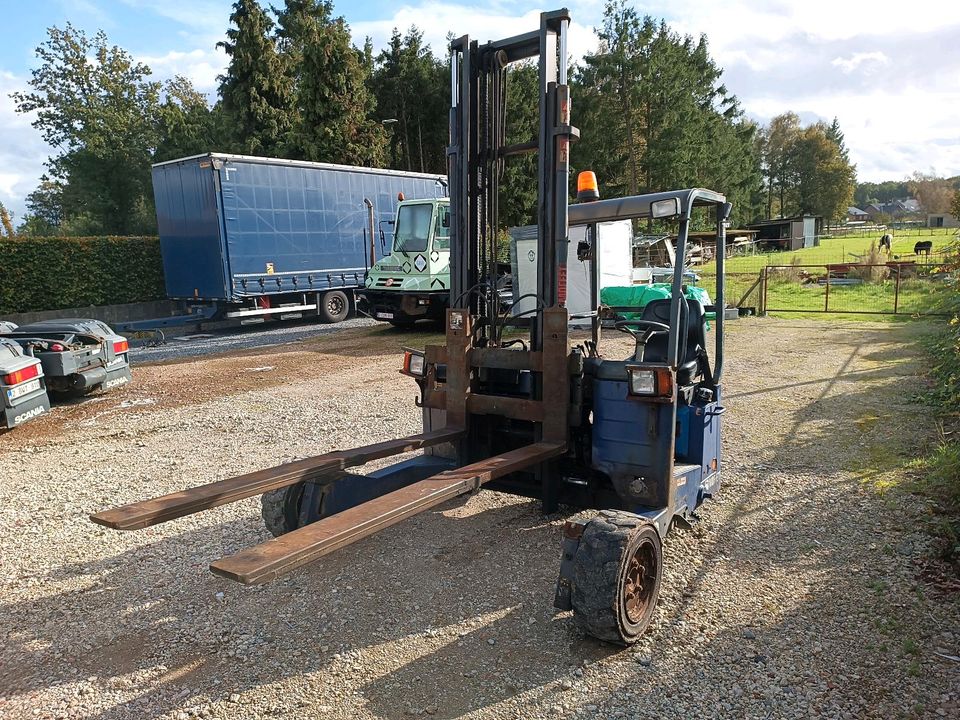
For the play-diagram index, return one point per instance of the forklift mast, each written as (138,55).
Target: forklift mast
(476,156)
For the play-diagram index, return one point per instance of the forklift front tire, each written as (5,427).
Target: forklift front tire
(280,509)
(616,577)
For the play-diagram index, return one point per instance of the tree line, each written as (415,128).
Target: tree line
(650,103)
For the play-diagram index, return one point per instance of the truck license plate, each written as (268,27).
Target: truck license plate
(384,316)
(118,360)
(23,389)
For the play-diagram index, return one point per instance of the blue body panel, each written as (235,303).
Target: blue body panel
(632,443)
(632,440)
(191,241)
(233,227)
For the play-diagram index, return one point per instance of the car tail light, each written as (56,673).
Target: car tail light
(21,375)
(120,346)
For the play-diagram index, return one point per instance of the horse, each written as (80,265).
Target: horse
(885,241)
(923,248)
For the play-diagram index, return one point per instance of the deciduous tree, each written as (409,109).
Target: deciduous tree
(932,192)
(187,125)
(97,106)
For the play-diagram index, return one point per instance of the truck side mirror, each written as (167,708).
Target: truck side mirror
(445,219)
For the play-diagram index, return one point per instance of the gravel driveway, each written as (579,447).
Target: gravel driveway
(190,344)
(796,596)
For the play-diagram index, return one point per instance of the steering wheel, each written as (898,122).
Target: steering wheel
(650,326)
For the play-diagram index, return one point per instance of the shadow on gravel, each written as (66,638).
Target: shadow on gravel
(451,614)
(443,587)
(847,631)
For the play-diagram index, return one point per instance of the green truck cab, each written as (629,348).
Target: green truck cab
(412,282)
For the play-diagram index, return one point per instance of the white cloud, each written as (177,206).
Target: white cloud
(22,151)
(872,61)
(201,66)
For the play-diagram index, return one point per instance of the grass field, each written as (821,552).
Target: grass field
(837,250)
(786,293)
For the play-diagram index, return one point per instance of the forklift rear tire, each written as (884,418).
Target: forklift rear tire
(617,571)
(281,509)
(334,306)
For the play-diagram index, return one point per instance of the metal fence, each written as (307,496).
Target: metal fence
(893,288)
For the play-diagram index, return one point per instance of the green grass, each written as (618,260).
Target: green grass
(787,294)
(836,250)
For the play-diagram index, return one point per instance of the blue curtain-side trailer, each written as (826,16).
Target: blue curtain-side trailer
(250,238)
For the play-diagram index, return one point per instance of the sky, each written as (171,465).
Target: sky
(890,72)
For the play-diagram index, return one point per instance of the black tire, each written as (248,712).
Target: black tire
(280,509)
(613,597)
(334,306)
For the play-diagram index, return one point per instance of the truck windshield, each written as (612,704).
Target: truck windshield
(413,228)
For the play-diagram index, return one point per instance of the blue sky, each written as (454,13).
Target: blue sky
(891,75)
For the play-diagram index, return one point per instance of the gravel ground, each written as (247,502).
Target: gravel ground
(187,345)
(796,595)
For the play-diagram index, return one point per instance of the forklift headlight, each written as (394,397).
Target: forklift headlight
(651,382)
(642,382)
(665,208)
(414,363)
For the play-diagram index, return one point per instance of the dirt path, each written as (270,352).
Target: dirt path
(796,596)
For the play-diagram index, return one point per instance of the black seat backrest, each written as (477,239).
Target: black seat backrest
(692,338)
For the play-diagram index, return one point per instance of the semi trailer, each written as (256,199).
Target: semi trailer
(252,238)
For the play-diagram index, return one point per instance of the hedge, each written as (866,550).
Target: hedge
(50,273)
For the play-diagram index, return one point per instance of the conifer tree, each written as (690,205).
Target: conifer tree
(255,91)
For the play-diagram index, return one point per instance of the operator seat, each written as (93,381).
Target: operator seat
(693,342)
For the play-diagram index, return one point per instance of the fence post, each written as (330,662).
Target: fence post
(896,291)
(826,297)
(763,302)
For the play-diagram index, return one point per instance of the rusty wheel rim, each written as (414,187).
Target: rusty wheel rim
(639,582)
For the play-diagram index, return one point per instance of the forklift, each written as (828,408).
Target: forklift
(509,402)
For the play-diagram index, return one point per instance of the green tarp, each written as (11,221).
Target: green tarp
(637,296)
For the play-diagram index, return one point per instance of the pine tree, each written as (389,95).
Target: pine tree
(255,92)
(835,135)
(412,88)
(654,115)
(335,105)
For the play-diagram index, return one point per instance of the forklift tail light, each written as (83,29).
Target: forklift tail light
(650,382)
(587,189)
(21,375)
(120,346)
(414,363)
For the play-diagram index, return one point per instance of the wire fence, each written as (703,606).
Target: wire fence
(893,288)
(937,246)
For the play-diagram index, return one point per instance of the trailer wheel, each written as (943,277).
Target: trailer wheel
(334,306)
(281,509)
(616,581)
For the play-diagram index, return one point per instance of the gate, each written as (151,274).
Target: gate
(893,288)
